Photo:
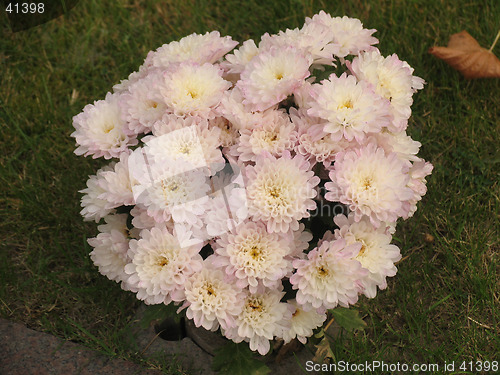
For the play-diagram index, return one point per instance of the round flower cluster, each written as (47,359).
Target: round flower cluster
(234,151)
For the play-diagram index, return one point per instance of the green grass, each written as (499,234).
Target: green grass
(443,305)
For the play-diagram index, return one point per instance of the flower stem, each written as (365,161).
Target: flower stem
(328,324)
(495,42)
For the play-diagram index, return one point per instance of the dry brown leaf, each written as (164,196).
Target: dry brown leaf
(466,55)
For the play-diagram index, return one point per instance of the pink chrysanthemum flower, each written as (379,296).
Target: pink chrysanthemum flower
(400,143)
(254,256)
(93,202)
(303,323)
(228,135)
(302,97)
(110,247)
(118,222)
(329,276)
(117,184)
(235,62)
(225,212)
(181,197)
(133,77)
(348,34)
(377,254)
(351,108)
(314,39)
(101,131)
(160,266)
(274,135)
(228,205)
(263,317)
(142,104)
(206,48)
(298,241)
(211,299)
(392,79)
(188,139)
(418,172)
(238,114)
(313,142)
(273,75)
(280,191)
(371,183)
(192,89)
(141,219)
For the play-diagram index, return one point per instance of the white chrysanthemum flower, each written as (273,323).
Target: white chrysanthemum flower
(351,108)
(189,140)
(228,133)
(110,247)
(274,135)
(418,172)
(254,256)
(170,122)
(377,254)
(400,143)
(349,36)
(314,39)
(313,142)
(160,266)
(117,184)
(371,183)
(100,129)
(142,105)
(239,115)
(392,79)
(298,241)
(322,150)
(192,89)
(280,191)
(95,207)
(116,222)
(263,317)
(302,97)
(180,196)
(303,323)
(206,48)
(218,217)
(228,205)
(211,300)
(235,62)
(133,77)
(328,277)
(273,75)
(142,220)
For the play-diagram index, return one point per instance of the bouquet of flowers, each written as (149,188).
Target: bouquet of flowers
(223,157)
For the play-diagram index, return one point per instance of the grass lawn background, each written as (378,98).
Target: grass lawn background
(443,305)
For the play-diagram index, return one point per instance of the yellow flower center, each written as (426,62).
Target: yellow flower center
(322,271)
(273,192)
(193,94)
(255,252)
(162,261)
(367,183)
(255,305)
(362,251)
(346,104)
(210,289)
(108,127)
